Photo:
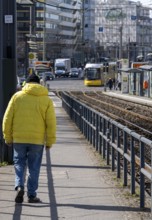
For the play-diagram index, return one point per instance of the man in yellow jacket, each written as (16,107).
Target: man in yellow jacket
(29,124)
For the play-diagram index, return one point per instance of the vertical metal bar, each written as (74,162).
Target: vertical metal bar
(91,129)
(80,118)
(88,115)
(124,159)
(81,121)
(100,138)
(97,132)
(118,154)
(142,177)
(84,124)
(71,108)
(94,129)
(104,142)
(107,144)
(87,125)
(113,150)
(132,166)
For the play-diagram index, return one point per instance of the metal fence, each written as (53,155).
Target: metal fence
(121,147)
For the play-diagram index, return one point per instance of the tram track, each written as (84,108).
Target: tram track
(135,116)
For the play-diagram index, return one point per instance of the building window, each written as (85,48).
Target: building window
(40,14)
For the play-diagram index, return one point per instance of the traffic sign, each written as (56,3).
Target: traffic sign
(31,56)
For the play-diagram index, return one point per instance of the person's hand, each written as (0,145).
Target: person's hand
(48,147)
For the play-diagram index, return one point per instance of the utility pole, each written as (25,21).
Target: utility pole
(7,65)
(120,45)
(83,24)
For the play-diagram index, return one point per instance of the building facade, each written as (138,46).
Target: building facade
(122,29)
(54,26)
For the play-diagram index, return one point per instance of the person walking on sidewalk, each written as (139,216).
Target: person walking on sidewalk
(29,124)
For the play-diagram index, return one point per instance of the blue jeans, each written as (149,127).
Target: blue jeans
(27,156)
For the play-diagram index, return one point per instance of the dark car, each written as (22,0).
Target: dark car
(47,76)
(74,72)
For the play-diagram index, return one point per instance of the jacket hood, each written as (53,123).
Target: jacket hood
(35,89)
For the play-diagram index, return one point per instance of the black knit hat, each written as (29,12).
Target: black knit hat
(33,78)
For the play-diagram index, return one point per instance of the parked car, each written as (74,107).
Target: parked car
(74,72)
(46,76)
(59,73)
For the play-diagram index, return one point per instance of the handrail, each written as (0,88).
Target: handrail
(111,138)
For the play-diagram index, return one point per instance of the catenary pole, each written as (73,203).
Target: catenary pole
(7,64)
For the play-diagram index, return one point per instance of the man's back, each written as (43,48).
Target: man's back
(33,115)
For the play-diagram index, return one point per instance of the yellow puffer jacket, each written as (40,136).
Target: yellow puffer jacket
(30,117)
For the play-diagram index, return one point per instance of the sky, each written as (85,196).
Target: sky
(145,2)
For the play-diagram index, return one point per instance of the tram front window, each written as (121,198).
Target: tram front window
(92,74)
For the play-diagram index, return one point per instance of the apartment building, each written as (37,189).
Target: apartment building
(117,28)
(55,26)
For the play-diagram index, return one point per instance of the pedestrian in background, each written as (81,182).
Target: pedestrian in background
(114,83)
(110,83)
(29,124)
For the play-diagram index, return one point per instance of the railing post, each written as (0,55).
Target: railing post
(100,137)
(87,123)
(125,160)
(93,129)
(113,150)
(107,144)
(71,109)
(97,132)
(132,166)
(142,177)
(84,121)
(80,118)
(103,140)
(89,127)
(118,154)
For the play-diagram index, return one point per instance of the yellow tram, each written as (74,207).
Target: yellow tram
(96,74)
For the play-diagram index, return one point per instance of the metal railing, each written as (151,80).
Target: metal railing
(115,142)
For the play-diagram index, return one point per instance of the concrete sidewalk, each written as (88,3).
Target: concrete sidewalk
(74,184)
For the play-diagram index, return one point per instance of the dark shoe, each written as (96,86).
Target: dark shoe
(32,199)
(19,195)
